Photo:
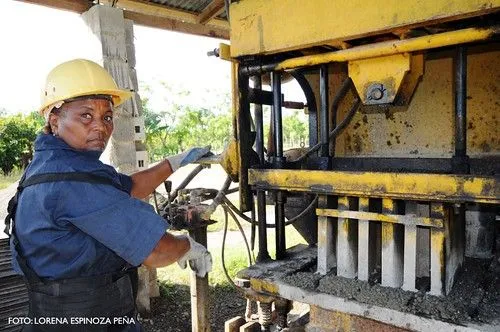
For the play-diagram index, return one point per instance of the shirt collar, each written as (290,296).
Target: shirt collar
(49,142)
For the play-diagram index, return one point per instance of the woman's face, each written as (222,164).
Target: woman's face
(84,124)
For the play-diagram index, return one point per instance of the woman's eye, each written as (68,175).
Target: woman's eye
(108,118)
(86,116)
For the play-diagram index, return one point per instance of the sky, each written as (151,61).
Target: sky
(34,39)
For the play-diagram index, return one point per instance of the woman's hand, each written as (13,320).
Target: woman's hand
(144,182)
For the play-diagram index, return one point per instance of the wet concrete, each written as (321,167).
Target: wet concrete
(475,296)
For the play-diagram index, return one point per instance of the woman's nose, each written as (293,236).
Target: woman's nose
(100,126)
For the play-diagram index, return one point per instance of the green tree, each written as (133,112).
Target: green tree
(182,124)
(294,129)
(17,134)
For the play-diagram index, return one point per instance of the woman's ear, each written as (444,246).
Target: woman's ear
(54,123)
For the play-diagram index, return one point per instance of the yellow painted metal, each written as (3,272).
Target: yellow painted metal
(424,128)
(257,26)
(388,230)
(389,218)
(235,100)
(377,80)
(411,79)
(432,187)
(230,160)
(225,52)
(264,286)
(391,47)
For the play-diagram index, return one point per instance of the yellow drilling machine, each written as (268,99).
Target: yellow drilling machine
(397,191)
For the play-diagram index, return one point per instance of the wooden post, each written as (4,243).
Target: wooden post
(200,312)
(234,324)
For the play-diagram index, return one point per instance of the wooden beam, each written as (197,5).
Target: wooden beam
(77,6)
(213,9)
(161,11)
(174,25)
(147,14)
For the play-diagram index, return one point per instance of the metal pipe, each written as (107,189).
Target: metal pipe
(324,121)
(461,102)
(280,225)
(186,181)
(278,162)
(344,88)
(263,254)
(334,132)
(259,122)
(278,124)
(380,49)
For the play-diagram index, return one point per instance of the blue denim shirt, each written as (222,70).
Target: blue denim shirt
(76,229)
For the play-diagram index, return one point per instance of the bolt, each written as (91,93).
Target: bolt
(214,52)
(376,94)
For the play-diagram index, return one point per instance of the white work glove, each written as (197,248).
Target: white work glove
(187,157)
(200,259)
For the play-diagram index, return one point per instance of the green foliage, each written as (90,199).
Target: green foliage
(294,129)
(13,176)
(17,133)
(184,121)
(182,125)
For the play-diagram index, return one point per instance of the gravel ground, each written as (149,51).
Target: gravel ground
(171,312)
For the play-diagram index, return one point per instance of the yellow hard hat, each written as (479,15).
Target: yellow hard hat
(78,78)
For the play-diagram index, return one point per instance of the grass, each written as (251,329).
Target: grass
(236,259)
(7,180)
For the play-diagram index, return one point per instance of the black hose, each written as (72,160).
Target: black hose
(224,234)
(156,202)
(335,131)
(186,181)
(231,213)
(288,222)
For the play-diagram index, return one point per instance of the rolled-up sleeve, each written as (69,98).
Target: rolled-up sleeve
(124,224)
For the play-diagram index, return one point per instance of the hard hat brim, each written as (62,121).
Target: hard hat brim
(119,96)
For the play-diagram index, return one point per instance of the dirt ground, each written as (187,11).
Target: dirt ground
(172,311)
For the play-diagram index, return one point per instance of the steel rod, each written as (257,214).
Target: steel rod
(278,123)
(259,122)
(461,102)
(324,121)
(263,254)
(280,225)
(380,49)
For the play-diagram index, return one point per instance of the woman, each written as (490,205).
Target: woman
(80,229)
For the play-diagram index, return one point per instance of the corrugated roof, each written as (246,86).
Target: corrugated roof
(195,6)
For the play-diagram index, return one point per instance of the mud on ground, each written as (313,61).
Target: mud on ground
(171,312)
(475,296)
